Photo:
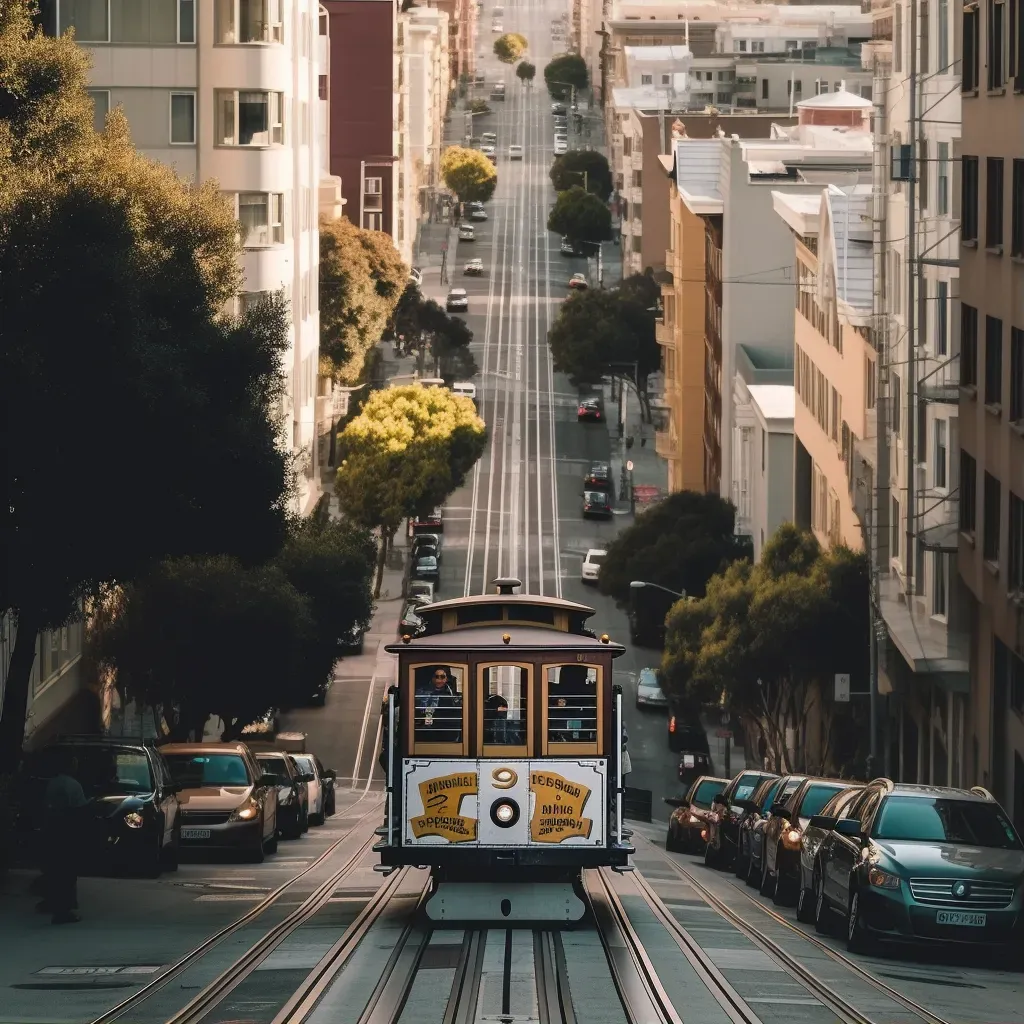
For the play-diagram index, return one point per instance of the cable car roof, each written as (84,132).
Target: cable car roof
(556,603)
(490,639)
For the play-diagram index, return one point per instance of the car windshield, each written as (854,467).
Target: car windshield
(596,496)
(706,792)
(961,822)
(305,763)
(193,771)
(274,766)
(101,770)
(768,796)
(746,786)
(595,559)
(427,562)
(816,797)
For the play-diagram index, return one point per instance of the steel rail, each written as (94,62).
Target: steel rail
(204,947)
(554,1002)
(465,991)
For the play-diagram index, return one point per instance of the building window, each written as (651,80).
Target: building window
(994,203)
(870,383)
(186,21)
(894,525)
(968,345)
(941,318)
(757,46)
(249,21)
(968,493)
(993,361)
(993,498)
(742,46)
(261,215)
(940,582)
(924,28)
(1015,41)
(183,118)
(897,37)
(996,43)
(942,179)
(250,118)
(322,87)
(969,199)
(646,80)
(250,300)
(89,18)
(100,107)
(764,88)
(1017,207)
(1008,668)
(942,14)
(1016,374)
(969,62)
(1015,545)
(941,452)
(896,403)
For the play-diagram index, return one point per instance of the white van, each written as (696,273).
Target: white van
(465,388)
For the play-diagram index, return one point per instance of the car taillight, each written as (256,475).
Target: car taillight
(581,410)
(672,724)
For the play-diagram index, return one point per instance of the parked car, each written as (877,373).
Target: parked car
(810,843)
(132,814)
(686,826)
(780,868)
(686,734)
(498,91)
(474,268)
(490,138)
(578,282)
(467,233)
(416,276)
(648,690)
(592,565)
(755,810)
(599,475)
(457,300)
(433,522)
(558,108)
(328,779)
(590,408)
(227,799)
(515,152)
(596,503)
(694,763)
(723,822)
(922,864)
(784,791)
(567,248)
(421,591)
(411,623)
(316,793)
(422,544)
(426,568)
(497,26)
(477,213)
(292,796)
(488,151)
(561,147)
(465,388)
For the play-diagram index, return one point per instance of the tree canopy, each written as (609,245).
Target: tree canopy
(525,71)
(407,450)
(565,69)
(580,216)
(449,336)
(597,333)
(679,543)
(510,47)
(767,640)
(361,280)
(469,174)
(114,276)
(569,169)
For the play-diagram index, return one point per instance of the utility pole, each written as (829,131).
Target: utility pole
(911,404)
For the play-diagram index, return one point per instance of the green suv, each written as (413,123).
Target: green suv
(920,864)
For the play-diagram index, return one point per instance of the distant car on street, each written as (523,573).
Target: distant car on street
(490,138)
(561,147)
(316,792)
(426,568)
(648,690)
(592,565)
(579,281)
(474,268)
(421,590)
(416,276)
(467,233)
(488,151)
(433,522)
(515,152)
(457,300)
(558,108)
(599,476)
(590,408)
(424,541)
(477,213)
(410,623)
(465,388)
(596,503)
(292,794)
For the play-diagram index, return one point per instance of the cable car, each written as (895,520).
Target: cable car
(502,745)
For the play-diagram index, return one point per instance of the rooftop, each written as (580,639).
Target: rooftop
(650,54)
(698,168)
(776,401)
(841,100)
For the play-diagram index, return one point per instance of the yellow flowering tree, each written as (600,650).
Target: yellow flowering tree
(408,449)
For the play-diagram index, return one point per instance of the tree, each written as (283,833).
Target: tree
(526,72)
(206,636)
(510,47)
(449,342)
(679,543)
(567,69)
(114,275)
(766,641)
(570,168)
(580,216)
(479,108)
(361,280)
(403,454)
(469,174)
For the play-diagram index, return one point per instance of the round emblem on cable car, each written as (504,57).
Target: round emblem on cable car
(504,812)
(960,890)
(504,778)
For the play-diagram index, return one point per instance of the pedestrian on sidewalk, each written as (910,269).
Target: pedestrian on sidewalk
(62,835)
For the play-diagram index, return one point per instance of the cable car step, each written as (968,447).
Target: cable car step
(621,869)
(383,831)
(385,869)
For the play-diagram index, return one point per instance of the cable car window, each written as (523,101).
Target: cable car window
(572,704)
(437,704)
(505,701)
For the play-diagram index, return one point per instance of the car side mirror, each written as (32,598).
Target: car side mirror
(266,779)
(308,777)
(674,801)
(779,810)
(849,827)
(823,821)
(330,773)
(746,805)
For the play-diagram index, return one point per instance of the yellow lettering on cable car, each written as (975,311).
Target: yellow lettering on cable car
(442,799)
(558,809)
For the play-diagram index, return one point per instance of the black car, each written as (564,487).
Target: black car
(686,735)
(726,814)
(599,477)
(596,503)
(426,568)
(131,819)
(328,777)
(590,408)
(754,810)
(292,793)
(426,544)
(558,108)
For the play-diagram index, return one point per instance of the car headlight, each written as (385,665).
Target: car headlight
(134,820)
(791,838)
(694,820)
(882,879)
(246,812)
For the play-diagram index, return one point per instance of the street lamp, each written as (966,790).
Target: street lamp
(643,584)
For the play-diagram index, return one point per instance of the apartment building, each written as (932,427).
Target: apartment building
(990,547)
(228,90)
(462,18)
(721,291)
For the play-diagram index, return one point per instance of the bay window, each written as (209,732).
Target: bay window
(246,22)
(261,215)
(249,118)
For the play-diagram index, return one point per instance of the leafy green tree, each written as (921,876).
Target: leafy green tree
(766,641)
(583,167)
(526,72)
(114,275)
(207,636)
(469,174)
(679,543)
(510,47)
(449,342)
(361,280)
(407,450)
(580,216)
(567,69)
(479,108)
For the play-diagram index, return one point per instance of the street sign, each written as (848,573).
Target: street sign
(629,466)
(444,247)
(842,687)
(724,734)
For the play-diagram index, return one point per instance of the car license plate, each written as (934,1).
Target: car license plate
(687,760)
(961,917)
(195,833)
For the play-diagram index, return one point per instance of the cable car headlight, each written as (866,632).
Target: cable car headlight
(504,812)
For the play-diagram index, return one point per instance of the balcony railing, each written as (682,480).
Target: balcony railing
(638,226)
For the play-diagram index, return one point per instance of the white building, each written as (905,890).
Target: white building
(229,89)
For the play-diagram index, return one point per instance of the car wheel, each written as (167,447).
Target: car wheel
(805,904)
(856,935)
(741,862)
(753,872)
(316,819)
(822,911)
(784,884)
(331,804)
(768,880)
(710,856)
(258,853)
(305,820)
(172,851)
(270,846)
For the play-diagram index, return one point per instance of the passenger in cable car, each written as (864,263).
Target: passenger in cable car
(499,729)
(438,708)
(572,706)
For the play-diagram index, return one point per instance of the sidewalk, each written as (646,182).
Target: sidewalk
(650,471)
